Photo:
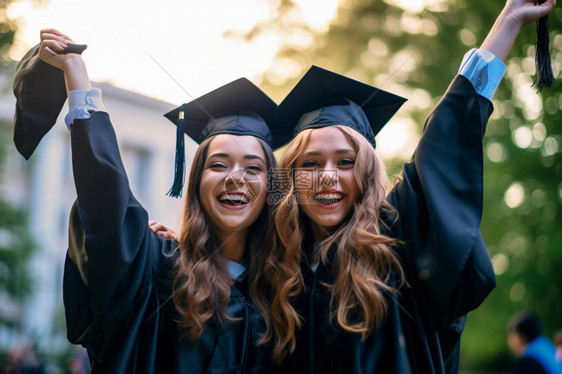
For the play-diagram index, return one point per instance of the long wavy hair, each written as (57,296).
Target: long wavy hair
(363,259)
(201,287)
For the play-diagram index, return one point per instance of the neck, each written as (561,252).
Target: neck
(232,244)
(321,232)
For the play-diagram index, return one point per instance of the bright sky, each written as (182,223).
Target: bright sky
(184,36)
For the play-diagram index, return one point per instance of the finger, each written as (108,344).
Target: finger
(54,32)
(56,35)
(45,37)
(165,234)
(57,44)
(547,6)
(158,227)
(53,45)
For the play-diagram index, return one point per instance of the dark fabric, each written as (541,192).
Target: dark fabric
(338,111)
(237,108)
(117,279)
(448,269)
(40,95)
(344,101)
(527,365)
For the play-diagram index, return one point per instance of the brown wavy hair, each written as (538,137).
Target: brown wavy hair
(363,261)
(201,287)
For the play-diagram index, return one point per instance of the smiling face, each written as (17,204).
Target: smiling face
(233,183)
(328,161)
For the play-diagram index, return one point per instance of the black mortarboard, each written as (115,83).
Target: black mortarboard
(237,108)
(323,98)
(40,95)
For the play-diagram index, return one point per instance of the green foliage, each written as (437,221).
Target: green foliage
(16,248)
(370,41)
(7,31)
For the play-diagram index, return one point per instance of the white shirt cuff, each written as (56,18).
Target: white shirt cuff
(81,103)
(483,70)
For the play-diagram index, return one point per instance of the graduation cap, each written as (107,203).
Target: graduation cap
(323,98)
(40,95)
(237,108)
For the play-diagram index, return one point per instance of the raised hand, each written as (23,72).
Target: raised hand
(52,43)
(515,15)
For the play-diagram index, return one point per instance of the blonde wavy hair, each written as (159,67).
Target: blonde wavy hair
(201,287)
(364,261)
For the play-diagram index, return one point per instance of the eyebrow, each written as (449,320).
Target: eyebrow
(337,151)
(246,157)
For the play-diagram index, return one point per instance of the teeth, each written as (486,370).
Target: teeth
(235,199)
(328,198)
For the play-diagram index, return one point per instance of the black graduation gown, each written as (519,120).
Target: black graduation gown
(117,279)
(448,269)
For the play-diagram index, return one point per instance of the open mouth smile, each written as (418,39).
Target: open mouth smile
(234,198)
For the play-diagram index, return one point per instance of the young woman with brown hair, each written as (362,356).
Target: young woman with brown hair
(120,278)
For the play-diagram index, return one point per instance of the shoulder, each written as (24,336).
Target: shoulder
(166,254)
(388,216)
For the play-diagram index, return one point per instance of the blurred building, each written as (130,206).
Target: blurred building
(44,187)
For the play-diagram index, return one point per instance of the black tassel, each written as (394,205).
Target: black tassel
(544,76)
(179,172)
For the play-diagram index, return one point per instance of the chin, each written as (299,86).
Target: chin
(329,224)
(236,225)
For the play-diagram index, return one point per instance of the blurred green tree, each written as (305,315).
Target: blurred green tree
(8,30)
(16,245)
(414,49)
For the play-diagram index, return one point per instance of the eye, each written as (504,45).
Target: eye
(254,168)
(310,164)
(217,165)
(346,162)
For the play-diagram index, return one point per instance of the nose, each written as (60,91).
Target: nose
(237,177)
(328,178)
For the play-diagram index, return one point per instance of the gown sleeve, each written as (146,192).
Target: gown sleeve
(439,203)
(112,252)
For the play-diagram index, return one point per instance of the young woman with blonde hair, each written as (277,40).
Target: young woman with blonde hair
(382,282)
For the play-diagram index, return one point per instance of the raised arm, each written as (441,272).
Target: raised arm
(112,253)
(440,198)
